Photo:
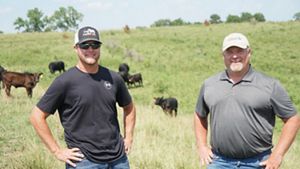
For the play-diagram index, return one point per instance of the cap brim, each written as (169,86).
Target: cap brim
(85,40)
(243,46)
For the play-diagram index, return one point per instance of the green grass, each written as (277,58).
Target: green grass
(174,61)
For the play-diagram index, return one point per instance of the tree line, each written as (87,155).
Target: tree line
(67,19)
(216,19)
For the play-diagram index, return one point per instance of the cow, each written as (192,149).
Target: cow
(135,78)
(1,71)
(123,67)
(124,76)
(169,105)
(16,79)
(56,66)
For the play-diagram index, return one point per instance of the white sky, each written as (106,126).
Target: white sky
(114,14)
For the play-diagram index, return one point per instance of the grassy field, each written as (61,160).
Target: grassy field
(174,61)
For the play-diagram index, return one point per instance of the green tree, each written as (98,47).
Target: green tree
(297,16)
(34,23)
(233,19)
(259,17)
(177,22)
(214,18)
(65,19)
(246,17)
(161,22)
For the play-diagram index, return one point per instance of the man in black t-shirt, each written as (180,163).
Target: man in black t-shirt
(85,97)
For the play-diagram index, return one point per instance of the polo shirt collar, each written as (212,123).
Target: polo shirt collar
(247,78)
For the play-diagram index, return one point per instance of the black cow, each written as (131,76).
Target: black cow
(123,67)
(124,75)
(56,66)
(135,78)
(168,105)
(16,79)
(1,71)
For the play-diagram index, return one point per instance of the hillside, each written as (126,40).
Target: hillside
(174,61)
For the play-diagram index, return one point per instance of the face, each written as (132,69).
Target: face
(237,59)
(88,52)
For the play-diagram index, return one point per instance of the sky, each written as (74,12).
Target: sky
(115,14)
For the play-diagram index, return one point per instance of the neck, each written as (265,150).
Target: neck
(88,68)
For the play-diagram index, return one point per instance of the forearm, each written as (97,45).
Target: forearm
(288,134)
(38,120)
(200,129)
(129,121)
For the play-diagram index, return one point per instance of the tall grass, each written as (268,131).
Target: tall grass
(173,61)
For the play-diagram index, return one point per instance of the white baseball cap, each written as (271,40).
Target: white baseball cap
(235,39)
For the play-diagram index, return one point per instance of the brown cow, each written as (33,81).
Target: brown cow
(16,79)
(135,78)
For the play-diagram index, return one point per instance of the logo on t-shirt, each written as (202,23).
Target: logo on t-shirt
(107,85)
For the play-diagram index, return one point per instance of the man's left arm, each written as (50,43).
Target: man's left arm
(129,123)
(288,134)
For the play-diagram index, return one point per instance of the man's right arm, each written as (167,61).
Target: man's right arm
(204,150)
(38,120)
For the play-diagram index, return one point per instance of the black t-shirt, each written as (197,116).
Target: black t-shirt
(86,104)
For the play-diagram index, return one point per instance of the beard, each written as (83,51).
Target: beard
(236,67)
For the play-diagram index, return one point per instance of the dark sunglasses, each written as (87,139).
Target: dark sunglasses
(87,45)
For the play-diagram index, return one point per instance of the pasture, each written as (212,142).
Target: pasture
(174,61)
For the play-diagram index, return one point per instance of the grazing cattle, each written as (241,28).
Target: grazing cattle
(124,75)
(1,71)
(56,66)
(123,67)
(16,79)
(169,105)
(135,78)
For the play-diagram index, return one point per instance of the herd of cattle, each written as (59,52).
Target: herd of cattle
(29,80)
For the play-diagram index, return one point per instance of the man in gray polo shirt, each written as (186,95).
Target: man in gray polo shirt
(242,104)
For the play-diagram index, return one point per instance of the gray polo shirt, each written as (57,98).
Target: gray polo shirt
(242,115)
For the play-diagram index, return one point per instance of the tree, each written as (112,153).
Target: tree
(162,22)
(214,18)
(233,19)
(65,19)
(34,23)
(246,17)
(297,16)
(259,17)
(177,22)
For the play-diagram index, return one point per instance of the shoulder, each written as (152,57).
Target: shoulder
(108,73)
(264,79)
(215,78)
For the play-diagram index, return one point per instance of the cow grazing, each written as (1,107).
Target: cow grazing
(124,75)
(16,79)
(169,105)
(1,71)
(135,79)
(56,66)
(123,67)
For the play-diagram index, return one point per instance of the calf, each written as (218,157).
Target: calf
(56,66)
(168,105)
(135,78)
(16,79)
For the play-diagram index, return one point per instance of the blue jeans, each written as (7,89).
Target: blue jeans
(221,162)
(122,163)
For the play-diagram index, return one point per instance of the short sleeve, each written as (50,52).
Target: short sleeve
(281,102)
